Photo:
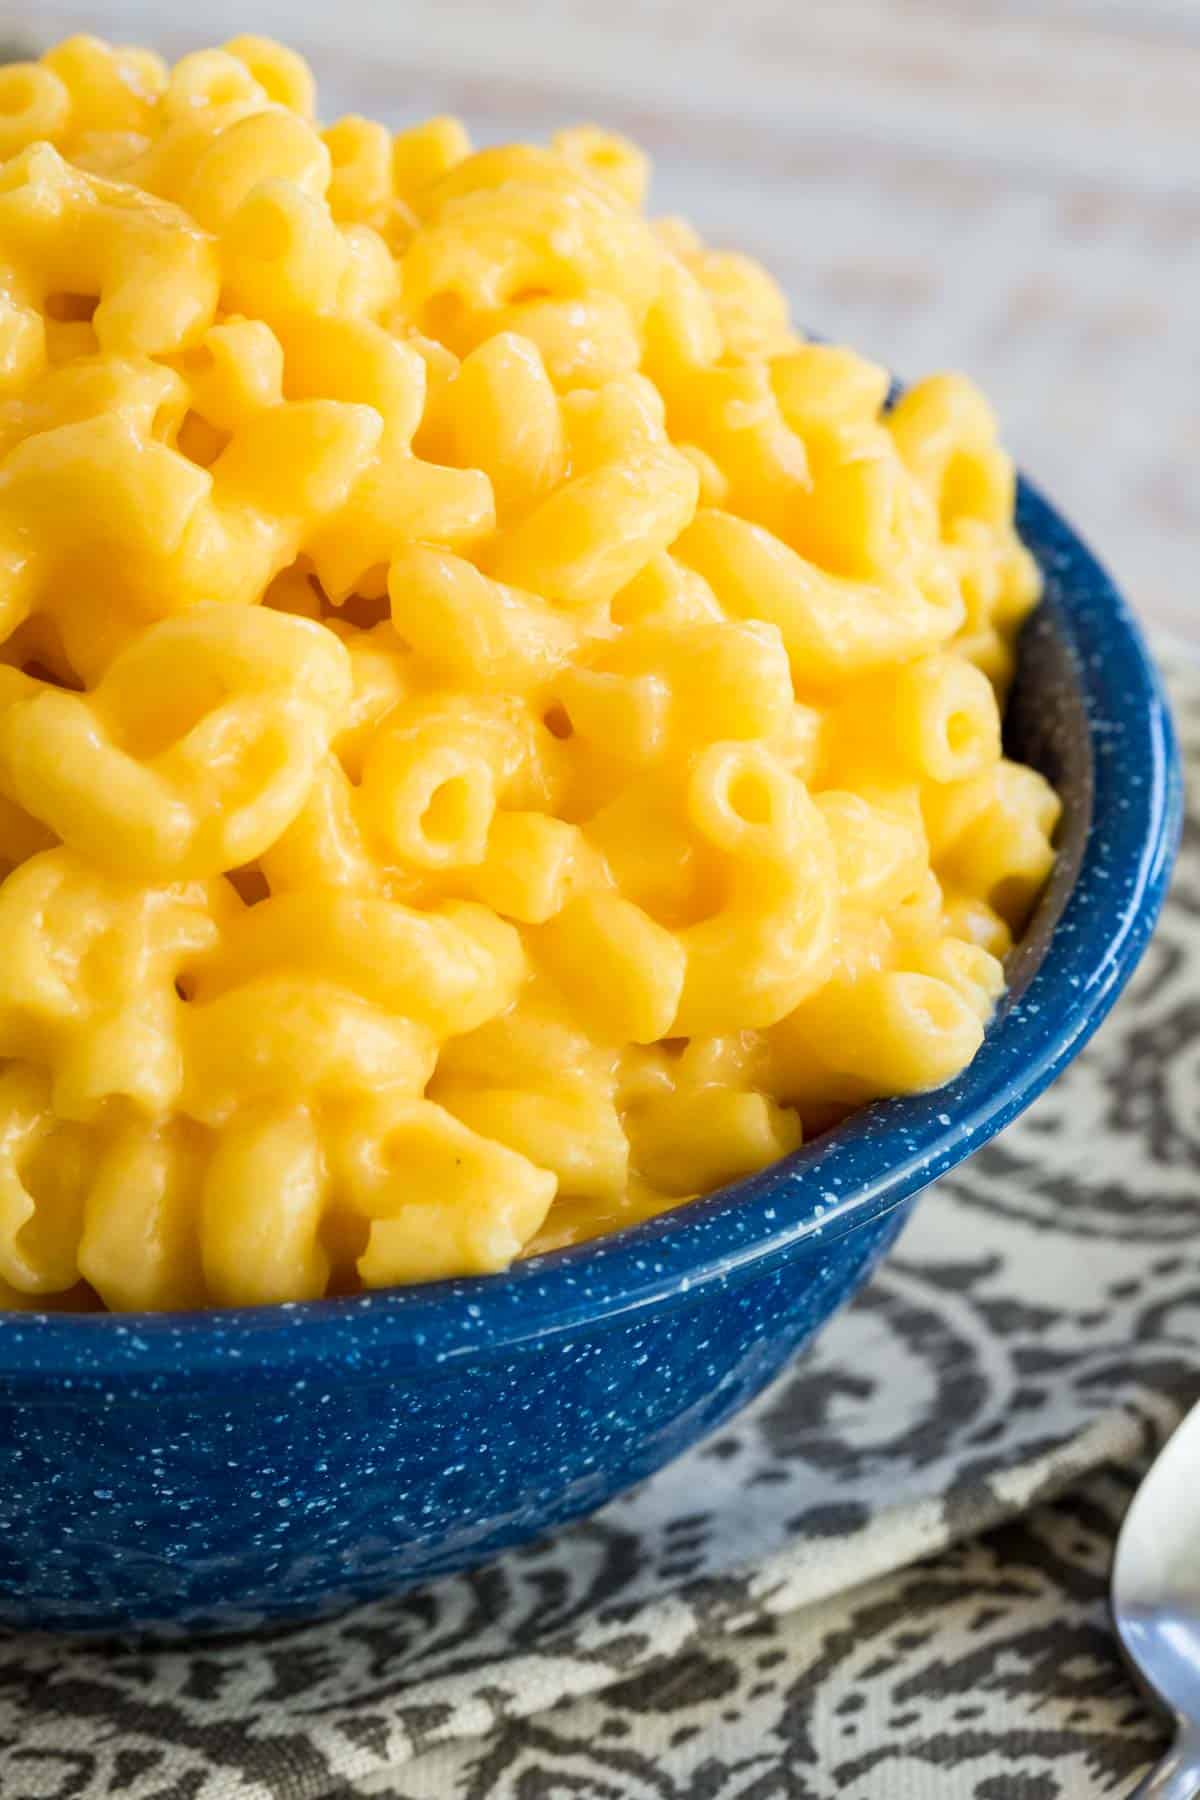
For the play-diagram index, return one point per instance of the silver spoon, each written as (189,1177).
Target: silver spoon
(1156,1603)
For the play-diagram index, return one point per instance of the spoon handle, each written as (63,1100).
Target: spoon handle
(1177,1776)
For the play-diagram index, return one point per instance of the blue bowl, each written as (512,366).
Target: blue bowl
(221,1471)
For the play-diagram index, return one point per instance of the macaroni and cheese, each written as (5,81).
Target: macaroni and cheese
(498,732)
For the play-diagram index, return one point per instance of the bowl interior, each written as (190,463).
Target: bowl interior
(1046,725)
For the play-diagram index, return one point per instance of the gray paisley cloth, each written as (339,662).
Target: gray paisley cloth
(886,1579)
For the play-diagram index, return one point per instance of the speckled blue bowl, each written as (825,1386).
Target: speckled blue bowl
(220,1471)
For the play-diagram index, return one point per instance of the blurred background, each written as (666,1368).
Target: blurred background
(996,185)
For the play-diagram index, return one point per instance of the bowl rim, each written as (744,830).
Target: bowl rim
(837,1184)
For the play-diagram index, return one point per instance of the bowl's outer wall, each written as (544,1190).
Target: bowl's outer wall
(217,1472)
(222,1506)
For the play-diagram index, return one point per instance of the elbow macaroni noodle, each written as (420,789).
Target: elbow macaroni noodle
(498,732)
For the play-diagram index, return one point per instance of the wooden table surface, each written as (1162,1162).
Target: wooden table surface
(1010,188)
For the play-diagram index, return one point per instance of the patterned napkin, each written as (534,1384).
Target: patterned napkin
(749,1623)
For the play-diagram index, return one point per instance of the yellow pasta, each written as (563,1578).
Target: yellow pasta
(498,733)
